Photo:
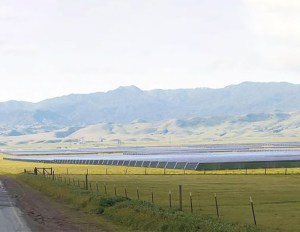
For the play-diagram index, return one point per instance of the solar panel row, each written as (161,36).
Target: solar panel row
(133,163)
(130,163)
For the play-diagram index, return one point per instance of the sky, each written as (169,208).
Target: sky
(50,48)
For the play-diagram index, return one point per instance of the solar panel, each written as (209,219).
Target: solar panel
(132,163)
(115,162)
(120,163)
(138,163)
(153,164)
(146,164)
(162,164)
(191,166)
(180,165)
(171,165)
(126,163)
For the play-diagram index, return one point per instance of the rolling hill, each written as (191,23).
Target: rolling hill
(262,109)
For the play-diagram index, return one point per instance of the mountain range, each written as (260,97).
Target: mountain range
(246,101)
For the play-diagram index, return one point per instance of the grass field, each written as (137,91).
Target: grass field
(276,197)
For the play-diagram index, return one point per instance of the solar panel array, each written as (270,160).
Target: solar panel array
(200,157)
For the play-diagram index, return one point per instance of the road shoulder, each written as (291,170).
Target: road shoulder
(44,214)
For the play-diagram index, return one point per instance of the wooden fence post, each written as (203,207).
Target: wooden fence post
(125,191)
(170,199)
(253,212)
(217,206)
(138,193)
(152,197)
(86,182)
(191,202)
(180,197)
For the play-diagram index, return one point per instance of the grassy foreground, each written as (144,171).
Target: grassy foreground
(132,214)
(276,197)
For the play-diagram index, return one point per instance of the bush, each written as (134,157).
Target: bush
(111,201)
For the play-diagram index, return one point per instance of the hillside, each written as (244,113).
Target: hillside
(130,114)
(247,128)
(126,104)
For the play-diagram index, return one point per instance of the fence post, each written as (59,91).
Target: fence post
(265,171)
(115,190)
(138,193)
(170,199)
(105,190)
(191,202)
(285,171)
(125,191)
(67,171)
(152,197)
(253,212)
(86,182)
(217,206)
(180,197)
(53,177)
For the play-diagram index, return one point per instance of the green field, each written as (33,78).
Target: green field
(276,197)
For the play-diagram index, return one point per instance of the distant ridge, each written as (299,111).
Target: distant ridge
(126,104)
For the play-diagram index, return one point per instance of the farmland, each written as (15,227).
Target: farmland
(275,196)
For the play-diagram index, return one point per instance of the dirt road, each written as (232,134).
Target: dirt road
(11,218)
(42,213)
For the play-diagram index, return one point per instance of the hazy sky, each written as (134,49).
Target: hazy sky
(55,47)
